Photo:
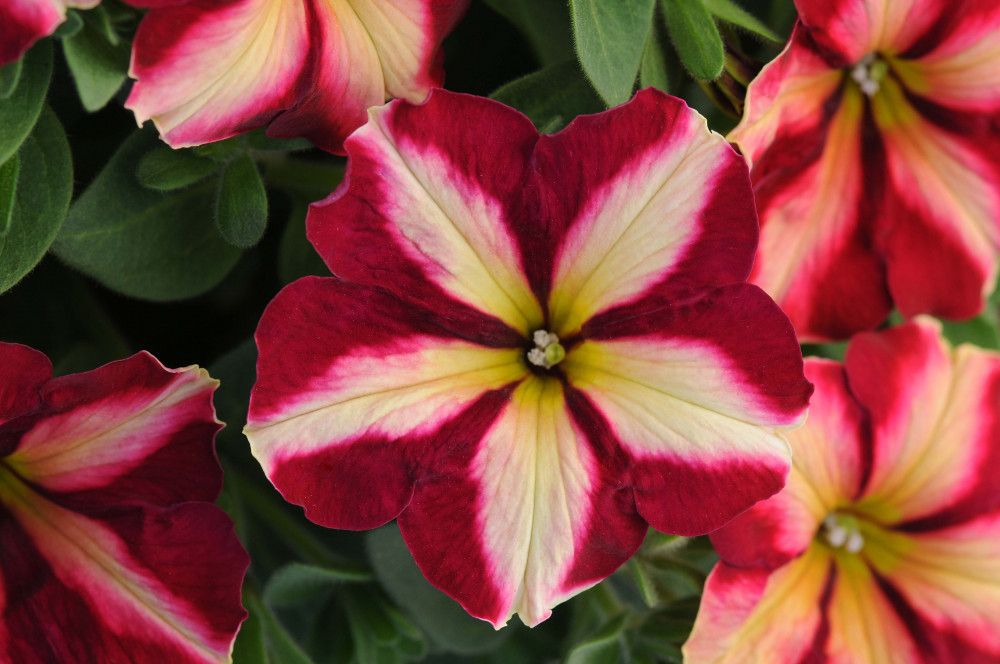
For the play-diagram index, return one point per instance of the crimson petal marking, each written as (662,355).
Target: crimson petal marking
(660,204)
(829,461)
(209,69)
(130,430)
(960,69)
(864,624)
(23,22)
(950,578)
(143,579)
(537,485)
(429,213)
(786,98)
(754,615)
(943,213)
(815,258)
(23,371)
(322,388)
(852,28)
(929,458)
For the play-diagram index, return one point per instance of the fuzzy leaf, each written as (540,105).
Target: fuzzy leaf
(44,188)
(610,37)
(552,97)
(695,37)
(99,67)
(166,169)
(20,110)
(241,203)
(296,582)
(730,12)
(9,171)
(140,242)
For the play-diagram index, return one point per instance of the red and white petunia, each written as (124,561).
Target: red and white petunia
(884,548)
(210,69)
(537,346)
(874,140)
(23,22)
(112,550)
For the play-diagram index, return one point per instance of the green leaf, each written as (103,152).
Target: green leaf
(166,169)
(604,647)
(296,256)
(241,203)
(441,617)
(695,37)
(610,37)
(8,190)
(281,647)
(72,25)
(144,243)
(980,331)
(653,70)
(552,97)
(730,12)
(44,189)
(20,110)
(10,74)
(250,647)
(545,24)
(99,66)
(297,582)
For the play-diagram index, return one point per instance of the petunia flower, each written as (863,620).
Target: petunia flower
(23,22)
(884,547)
(875,147)
(209,69)
(537,345)
(111,549)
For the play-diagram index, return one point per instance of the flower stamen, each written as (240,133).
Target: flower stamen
(842,531)
(547,352)
(868,73)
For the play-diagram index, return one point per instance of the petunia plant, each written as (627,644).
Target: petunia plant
(530,284)
(884,546)
(875,163)
(112,549)
(537,346)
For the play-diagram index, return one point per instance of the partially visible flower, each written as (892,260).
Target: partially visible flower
(112,550)
(538,346)
(23,22)
(884,547)
(875,144)
(209,69)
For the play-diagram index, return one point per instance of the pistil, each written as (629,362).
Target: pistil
(869,72)
(841,531)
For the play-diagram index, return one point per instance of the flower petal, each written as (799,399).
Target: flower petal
(696,394)
(803,134)
(853,28)
(546,520)
(752,615)
(432,214)
(334,416)
(935,422)
(958,64)
(130,430)
(829,460)
(644,199)
(23,22)
(942,214)
(23,371)
(864,624)
(209,69)
(951,579)
(117,587)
